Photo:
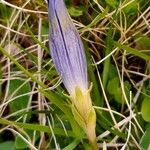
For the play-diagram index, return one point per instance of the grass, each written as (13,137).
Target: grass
(35,111)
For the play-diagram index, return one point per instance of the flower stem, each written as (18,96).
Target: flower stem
(94,145)
(92,137)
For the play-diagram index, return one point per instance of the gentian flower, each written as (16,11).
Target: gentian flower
(66,48)
(68,55)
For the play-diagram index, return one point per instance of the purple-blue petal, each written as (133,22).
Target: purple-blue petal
(66,47)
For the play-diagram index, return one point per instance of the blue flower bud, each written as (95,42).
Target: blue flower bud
(66,48)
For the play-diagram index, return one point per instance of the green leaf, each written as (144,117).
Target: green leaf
(112,3)
(21,144)
(72,145)
(75,12)
(114,88)
(143,43)
(45,28)
(145,140)
(106,122)
(19,88)
(113,84)
(109,46)
(113,72)
(87,146)
(9,145)
(131,8)
(4,12)
(146,109)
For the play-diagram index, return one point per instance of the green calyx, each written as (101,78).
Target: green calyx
(82,109)
(84,114)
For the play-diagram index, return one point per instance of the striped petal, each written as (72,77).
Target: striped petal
(66,48)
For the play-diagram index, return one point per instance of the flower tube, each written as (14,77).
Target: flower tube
(68,55)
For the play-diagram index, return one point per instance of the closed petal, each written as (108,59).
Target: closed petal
(66,47)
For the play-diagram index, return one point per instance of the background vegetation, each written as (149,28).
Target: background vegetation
(35,113)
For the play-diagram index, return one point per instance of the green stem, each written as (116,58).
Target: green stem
(92,137)
(94,145)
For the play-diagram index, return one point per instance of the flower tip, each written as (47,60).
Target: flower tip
(47,1)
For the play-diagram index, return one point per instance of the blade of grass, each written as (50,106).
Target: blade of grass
(36,127)
(132,51)
(109,45)
(98,18)
(96,96)
(72,145)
